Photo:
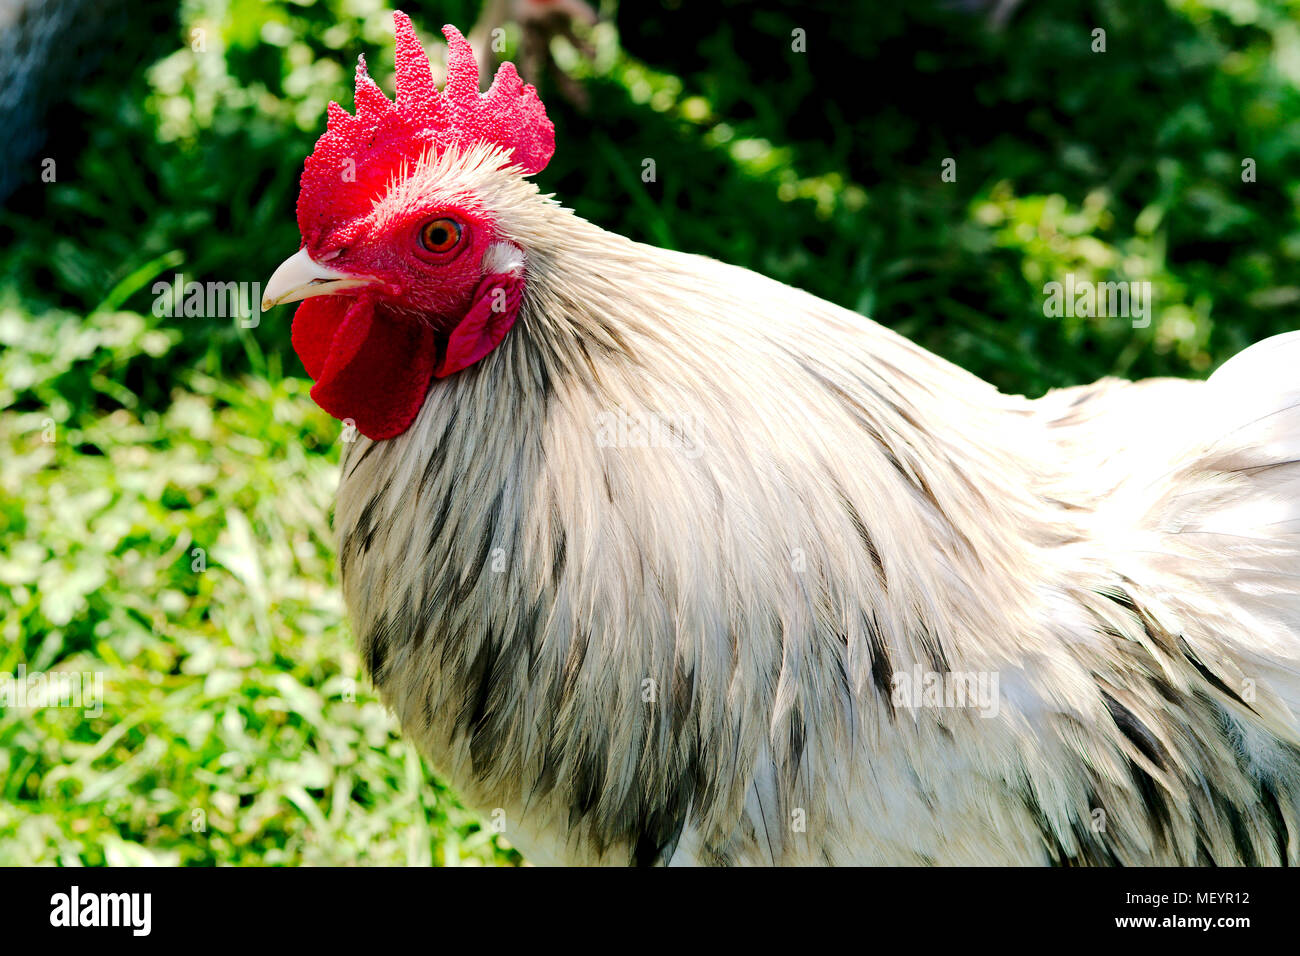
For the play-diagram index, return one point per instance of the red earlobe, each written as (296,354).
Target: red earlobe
(490,316)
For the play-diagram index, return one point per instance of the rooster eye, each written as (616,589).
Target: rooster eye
(440,235)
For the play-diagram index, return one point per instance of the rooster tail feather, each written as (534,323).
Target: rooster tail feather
(1226,522)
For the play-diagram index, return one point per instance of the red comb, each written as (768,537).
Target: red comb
(357,155)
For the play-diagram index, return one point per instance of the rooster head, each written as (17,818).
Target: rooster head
(404,274)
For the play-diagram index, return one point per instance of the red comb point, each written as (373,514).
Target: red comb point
(358,154)
(462,68)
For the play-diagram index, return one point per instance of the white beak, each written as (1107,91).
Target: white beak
(301,277)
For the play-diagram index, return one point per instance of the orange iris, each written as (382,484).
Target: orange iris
(440,235)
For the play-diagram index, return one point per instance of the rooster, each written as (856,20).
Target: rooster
(660,561)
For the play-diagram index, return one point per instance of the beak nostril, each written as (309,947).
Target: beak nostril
(300,277)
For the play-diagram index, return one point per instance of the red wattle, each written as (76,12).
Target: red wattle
(374,369)
(371,370)
(490,316)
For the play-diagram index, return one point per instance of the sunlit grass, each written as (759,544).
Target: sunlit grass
(186,556)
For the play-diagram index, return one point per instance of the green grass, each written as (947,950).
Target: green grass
(185,554)
(166,483)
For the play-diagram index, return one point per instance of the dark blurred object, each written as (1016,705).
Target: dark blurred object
(902,80)
(997,11)
(46,48)
(539,22)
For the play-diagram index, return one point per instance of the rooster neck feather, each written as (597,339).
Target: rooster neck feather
(623,586)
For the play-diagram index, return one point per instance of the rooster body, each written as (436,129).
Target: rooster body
(649,581)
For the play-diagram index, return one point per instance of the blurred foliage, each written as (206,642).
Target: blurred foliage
(129,439)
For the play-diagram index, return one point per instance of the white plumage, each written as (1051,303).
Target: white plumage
(688,643)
